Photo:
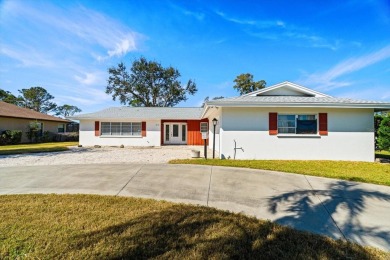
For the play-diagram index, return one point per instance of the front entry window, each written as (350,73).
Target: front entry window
(183,132)
(175,130)
(167,133)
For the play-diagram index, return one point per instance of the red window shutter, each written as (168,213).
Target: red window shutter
(143,129)
(97,128)
(323,123)
(273,123)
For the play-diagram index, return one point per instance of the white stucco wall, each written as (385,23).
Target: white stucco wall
(88,138)
(350,135)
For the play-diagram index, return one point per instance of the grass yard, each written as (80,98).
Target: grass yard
(376,173)
(107,227)
(382,154)
(35,148)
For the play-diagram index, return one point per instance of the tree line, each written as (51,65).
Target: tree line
(149,84)
(38,99)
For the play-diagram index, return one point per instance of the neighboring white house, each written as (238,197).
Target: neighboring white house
(284,121)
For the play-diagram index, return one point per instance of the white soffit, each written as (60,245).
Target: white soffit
(287,88)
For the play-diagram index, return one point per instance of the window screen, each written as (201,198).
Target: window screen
(204,127)
(297,124)
(286,124)
(61,128)
(121,128)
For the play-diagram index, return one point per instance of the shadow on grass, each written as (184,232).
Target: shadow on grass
(345,199)
(200,233)
(383,156)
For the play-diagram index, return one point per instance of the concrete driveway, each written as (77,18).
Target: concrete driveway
(339,209)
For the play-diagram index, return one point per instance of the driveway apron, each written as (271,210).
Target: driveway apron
(85,179)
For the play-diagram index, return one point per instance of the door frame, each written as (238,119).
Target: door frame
(170,135)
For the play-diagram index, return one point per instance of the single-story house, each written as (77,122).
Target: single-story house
(18,118)
(284,121)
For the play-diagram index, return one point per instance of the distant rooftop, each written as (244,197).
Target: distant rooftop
(10,110)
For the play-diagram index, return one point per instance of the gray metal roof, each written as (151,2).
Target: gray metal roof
(144,113)
(295,101)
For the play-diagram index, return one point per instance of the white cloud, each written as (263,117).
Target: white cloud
(328,80)
(224,85)
(121,48)
(197,15)
(27,56)
(90,78)
(85,96)
(376,92)
(80,24)
(58,48)
(386,95)
(79,100)
(280,23)
(280,30)
(258,23)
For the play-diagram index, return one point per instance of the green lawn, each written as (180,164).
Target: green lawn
(378,173)
(382,154)
(107,227)
(35,148)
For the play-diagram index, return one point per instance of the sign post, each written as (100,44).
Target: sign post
(205,136)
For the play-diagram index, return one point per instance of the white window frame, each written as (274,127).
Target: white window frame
(288,127)
(121,132)
(295,123)
(202,126)
(63,127)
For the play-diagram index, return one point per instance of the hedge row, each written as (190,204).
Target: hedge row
(10,137)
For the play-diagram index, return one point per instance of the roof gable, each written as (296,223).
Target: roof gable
(287,94)
(287,88)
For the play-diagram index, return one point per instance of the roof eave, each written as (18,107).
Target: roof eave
(134,119)
(331,105)
(36,118)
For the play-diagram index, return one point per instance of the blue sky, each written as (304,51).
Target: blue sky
(341,48)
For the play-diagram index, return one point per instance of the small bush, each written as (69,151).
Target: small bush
(34,132)
(66,137)
(10,137)
(58,137)
(47,137)
(383,140)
